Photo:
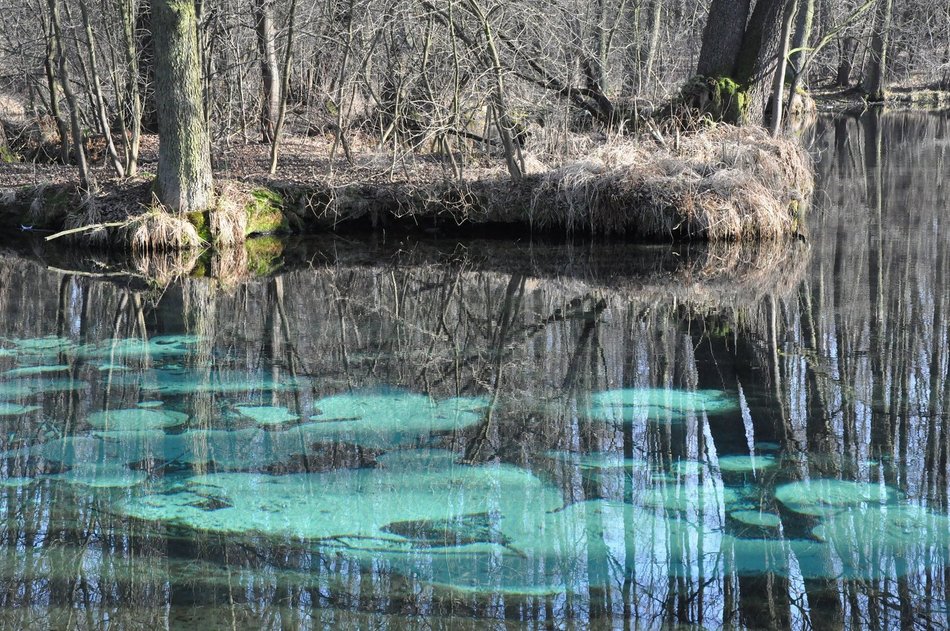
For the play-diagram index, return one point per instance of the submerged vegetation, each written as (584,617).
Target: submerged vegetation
(459,434)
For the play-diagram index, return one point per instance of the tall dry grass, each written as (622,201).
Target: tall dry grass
(724,183)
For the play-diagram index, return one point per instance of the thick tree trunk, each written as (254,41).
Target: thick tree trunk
(759,56)
(184,181)
(875,76)
(846,62)
(723,37)
(270,76)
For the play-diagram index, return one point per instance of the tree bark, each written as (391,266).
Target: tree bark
(284,88)
(847,50)
(184,181)
(759,55)
(803,28)
(875,76)
(52,81)
(87,183)
(723,37)
(134,95)
(270,75)
(102,112)
(778,89)
(656,11)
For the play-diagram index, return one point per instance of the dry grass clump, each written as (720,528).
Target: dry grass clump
(725,183)
(227,221)
(162,268)
(89,213)
(158,230)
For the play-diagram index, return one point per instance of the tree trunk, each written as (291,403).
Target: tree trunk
(875,76)
(102,112)
(87,183)
(284,88)
(184,181)
(723,37)
(846,62)
(759,55)
(803,28)
(270,76)
(656,11)
(778,89)
(134,95)
(52,81)
(146,66)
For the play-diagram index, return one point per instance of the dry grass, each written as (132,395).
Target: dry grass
(162,268)
(89,213)
(227,221)
(726,183)
(158,230)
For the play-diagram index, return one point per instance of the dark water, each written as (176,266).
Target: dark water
(481,435)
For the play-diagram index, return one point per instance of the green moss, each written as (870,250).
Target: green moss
(199,220)
(265,213)
(7,156)
(264,255)
(722,98)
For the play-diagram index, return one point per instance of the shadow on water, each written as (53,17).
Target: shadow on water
(475,435)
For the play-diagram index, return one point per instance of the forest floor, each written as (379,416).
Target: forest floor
(303,159)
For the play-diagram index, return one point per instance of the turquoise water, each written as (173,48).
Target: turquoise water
(498,435)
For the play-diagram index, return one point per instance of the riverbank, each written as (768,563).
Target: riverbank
(897,98)
(723,183)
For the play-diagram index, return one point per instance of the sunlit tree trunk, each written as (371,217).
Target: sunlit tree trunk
(778,89)
(86,182)
(52,82)
(875,75)
(803,28)
(184,162)
(284,89)
(656,12)
(270,76)
(133,94)
(722,37)
(98,97)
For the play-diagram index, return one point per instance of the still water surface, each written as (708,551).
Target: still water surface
(482,435)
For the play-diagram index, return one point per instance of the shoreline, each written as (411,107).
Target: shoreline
(724,183)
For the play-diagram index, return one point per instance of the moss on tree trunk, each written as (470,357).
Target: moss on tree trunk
(184,181)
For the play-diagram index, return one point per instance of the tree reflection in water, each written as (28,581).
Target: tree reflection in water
(835,353)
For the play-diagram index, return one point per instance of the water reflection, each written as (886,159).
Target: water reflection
(405,435)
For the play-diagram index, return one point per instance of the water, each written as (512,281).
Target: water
(492,435)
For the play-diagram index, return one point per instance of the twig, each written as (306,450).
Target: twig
(95,226)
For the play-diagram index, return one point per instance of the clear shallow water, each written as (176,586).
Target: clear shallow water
(482,435)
